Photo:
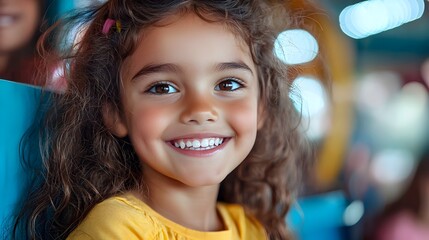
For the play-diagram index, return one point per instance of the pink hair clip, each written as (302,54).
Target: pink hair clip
(109,23)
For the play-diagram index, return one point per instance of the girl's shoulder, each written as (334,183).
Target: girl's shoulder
(117,217)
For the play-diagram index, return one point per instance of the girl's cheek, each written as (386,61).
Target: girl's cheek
(243,116)
(149,120)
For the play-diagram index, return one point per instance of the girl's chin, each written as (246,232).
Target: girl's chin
(204,180)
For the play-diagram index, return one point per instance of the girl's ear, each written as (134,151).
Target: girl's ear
(113,121)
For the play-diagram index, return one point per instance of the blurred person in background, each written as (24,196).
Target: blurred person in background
(408,216)
(20,22)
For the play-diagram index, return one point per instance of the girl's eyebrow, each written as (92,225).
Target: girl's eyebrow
(233,65)
(156,68)
(172,68)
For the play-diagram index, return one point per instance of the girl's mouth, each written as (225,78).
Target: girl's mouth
(198,144)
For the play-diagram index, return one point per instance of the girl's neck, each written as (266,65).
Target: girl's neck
(191,207)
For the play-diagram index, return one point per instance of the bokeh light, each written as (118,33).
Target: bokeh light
(374,16)
(310,99)
(353,213)
(296,46)
(392,166)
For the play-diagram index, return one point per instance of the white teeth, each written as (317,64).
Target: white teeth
(198,144)
(205,143)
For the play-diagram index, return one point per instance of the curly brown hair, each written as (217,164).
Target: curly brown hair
(86,164)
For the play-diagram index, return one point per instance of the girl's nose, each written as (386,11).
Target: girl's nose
(199,110)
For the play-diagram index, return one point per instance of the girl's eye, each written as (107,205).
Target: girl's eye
(228,85)
(162,88)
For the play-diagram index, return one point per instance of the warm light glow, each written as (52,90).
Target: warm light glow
(374,16)
(296,46)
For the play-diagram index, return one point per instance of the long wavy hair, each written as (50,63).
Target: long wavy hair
(85,164)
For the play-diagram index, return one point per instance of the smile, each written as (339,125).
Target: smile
(198,144)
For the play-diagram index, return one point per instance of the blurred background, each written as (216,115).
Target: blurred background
(361,75)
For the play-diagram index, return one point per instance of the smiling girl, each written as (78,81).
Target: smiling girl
(176,124)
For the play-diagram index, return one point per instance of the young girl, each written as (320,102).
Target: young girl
(176,124)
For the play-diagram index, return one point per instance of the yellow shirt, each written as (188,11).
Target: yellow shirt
(126,217)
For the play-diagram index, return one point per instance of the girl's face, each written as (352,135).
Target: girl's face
(190,102)
(18,23)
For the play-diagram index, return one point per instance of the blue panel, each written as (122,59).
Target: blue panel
(18,104)
(318,217)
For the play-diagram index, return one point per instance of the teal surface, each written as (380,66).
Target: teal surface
(18,104)
(319,217)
